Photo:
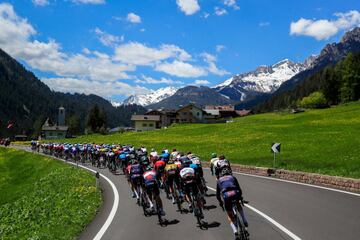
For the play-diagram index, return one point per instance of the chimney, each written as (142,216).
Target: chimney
(61,116)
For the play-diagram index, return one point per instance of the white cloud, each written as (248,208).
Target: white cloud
(231,3)
(107,39)
(219,48)
(133,18)
(16,39)
(201,82)
(102,89)
(189,7)
(40,2)
(142,30)
(95,2)
(212,68)
(181,69)
(324,29)
(264,24)
(220,11)
(150,80)
(139,54)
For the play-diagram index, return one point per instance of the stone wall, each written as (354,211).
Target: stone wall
(347,184)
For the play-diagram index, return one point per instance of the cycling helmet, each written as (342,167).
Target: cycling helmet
(213,155)
(225,171)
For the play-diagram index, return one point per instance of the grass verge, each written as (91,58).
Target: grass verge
(42,198)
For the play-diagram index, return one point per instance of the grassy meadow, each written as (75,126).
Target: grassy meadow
(42,198)
(323,141)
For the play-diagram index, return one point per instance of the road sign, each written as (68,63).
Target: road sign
(275,147)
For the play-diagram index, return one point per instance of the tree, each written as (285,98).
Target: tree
(314,100)
(350,70)
(73,122)
(97,119)
(330,85)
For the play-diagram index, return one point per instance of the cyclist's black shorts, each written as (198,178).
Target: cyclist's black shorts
(190,186)
(152,188)
(170,179)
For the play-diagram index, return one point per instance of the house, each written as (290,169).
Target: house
(55,131)
(226,111)
(167,117)
(146,122)
(243,113)
(190,114)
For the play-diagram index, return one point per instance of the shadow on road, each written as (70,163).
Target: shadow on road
(169,222)
(210,195)
(209,207)
(206,225)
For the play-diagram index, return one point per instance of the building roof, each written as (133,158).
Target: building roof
(189,105)
(213,112)
(244,112)
(145,118)
(55,128)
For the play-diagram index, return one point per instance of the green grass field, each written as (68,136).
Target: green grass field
(42,198)
(323,141)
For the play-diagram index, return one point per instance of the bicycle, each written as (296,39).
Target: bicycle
(197,210)
(176,194)
(243,234)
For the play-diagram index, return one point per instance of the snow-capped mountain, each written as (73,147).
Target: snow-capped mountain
(115,104)
(265,79)
(152,97)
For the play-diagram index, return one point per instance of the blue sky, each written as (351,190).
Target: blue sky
(117,48)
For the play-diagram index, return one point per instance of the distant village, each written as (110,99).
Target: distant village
(152,120)
(161,118)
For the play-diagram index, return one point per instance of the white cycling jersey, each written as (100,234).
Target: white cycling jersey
(185,172)
(214,161)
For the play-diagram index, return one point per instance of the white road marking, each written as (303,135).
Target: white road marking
(275,223)
(298,183)
(115,206)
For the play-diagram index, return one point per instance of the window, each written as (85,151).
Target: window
(151,125)
(144,125)
(198,113)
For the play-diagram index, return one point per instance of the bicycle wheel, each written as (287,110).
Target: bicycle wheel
(144,203)
(160,220)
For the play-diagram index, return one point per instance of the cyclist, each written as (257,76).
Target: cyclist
(171,177)
(136,173)
(152,188)
(153,155)
(189,185)
(213,162)
(221,164)
(228,189)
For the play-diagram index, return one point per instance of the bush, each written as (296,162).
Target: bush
(314,100)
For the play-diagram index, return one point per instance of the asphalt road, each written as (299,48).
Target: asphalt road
(308,212)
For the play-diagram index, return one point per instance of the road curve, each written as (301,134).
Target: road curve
(308,212)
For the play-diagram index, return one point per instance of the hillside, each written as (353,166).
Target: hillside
(338,83)
(321,141)
(330,55)
(27,102)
